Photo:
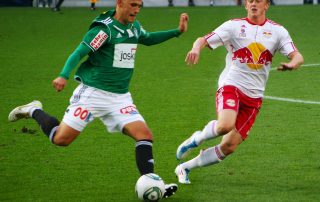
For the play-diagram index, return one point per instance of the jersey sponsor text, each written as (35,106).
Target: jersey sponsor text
(98,40)
(124,55)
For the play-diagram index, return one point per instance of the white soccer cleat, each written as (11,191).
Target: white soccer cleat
(24,111)
(182,174)
(171,189)
(185,148)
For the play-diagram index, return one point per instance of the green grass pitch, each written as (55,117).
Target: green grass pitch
(280,160)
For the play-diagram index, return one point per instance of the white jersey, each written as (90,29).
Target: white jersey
(250,50)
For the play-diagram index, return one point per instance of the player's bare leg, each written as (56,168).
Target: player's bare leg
(64,135)
(59,134)
(213,129)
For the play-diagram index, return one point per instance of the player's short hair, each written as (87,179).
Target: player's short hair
(268,1)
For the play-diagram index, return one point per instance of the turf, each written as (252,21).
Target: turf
(278,162)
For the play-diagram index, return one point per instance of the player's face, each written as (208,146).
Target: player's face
(129,9)
(256,8)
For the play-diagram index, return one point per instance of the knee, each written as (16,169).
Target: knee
(61,141)
(146,135)
(138,131)
(224,128)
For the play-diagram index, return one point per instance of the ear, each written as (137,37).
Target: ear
(246,4)
(267,6)
(119,2)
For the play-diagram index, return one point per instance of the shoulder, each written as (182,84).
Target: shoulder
(238,20)
(273,23)
(138,27)
(235,21)
(278,28)
(104,19)
(137,24)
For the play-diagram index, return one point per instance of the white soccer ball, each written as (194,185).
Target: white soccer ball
(150,187)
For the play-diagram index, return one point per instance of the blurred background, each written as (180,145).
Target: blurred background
(147,3)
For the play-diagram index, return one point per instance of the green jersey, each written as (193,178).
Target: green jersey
(113,47)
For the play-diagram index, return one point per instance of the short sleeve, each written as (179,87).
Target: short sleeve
(220,36)
(96,37)
(286,45)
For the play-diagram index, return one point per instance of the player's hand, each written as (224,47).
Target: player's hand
(192,57)
(286,67)
(183,24)
(59,83)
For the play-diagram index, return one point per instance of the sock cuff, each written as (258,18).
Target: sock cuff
(214,128)
(31,112)
(52,134)
(219,153)
(144,142)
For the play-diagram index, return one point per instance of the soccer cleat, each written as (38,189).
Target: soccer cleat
(182,174)
(56,9)
(171,189)
(185,148)
(24,111)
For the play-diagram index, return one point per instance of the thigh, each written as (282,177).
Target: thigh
(248,111)
(138,130)
(227,106)
(121,113)
(65,134)
(80,111)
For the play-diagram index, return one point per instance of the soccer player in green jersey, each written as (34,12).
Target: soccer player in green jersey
(110,45)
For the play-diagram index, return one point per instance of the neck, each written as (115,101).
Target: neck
(117,16)
(257,20)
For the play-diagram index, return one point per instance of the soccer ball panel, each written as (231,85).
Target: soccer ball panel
(150,187)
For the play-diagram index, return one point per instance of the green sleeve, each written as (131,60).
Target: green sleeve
(73,60)
(91,42)
(152,38)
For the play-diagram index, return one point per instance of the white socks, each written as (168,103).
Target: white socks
(206,157)
(208,132)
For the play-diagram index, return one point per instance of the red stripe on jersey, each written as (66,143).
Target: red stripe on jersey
(273,22)
(238,19)
(209,35)
(294,47)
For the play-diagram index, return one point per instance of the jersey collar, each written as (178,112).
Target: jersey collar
(118,24)
(250,22)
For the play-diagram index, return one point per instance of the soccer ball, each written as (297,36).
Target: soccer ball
(150,187)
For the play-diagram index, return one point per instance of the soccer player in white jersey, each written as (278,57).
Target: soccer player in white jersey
(251,43)
(110,44)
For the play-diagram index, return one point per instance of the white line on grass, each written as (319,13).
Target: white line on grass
(292,100)
(305,65)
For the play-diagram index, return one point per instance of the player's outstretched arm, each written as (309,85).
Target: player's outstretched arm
(152,38)
(60,82)
(183,24)
(296,59)
(193,55)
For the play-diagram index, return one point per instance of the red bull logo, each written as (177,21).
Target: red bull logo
(255,56)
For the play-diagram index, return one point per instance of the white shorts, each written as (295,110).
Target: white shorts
(88,103)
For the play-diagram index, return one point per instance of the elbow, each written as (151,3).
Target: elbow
(302,60)
(296,58)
